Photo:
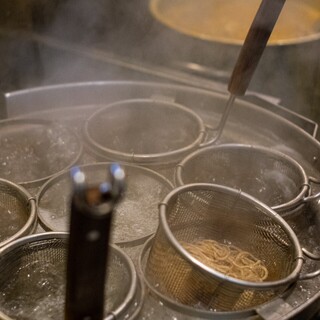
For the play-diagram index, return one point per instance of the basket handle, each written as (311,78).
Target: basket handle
(309,275)
(314,196)
(176,169)
(209,139)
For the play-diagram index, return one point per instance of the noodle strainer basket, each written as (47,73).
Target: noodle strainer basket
(144,131)
(33,150)
(33,280)
(135,218)
(200,213)
(268,175)
(18,213)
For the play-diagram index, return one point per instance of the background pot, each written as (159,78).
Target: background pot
(289,71)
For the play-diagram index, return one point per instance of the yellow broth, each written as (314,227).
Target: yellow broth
(229,20)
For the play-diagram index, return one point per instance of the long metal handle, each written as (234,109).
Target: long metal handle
(249,57)
(91,213)
(254,45)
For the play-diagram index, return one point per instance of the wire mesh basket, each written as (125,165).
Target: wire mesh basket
(144,131)
(219,249)
(32,284)
(33,150)
(18,214)
(135,217)
(268,175)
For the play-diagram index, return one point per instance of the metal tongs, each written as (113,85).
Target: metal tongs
(91,215)
(249,57)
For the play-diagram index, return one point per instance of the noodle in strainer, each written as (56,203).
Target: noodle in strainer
(217,248)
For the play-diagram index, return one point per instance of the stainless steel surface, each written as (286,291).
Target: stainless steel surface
(248,123)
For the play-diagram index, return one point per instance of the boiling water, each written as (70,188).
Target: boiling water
(11,221)
(37,289)
(135,217)
(35,152)
(137,214)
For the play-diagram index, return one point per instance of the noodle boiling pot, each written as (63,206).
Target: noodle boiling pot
(248,124)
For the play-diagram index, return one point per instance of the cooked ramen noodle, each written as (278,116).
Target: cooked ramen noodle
(228,259)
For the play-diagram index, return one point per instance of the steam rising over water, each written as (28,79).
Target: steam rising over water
(35,151)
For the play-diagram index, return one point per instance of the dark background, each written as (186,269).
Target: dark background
(94,36)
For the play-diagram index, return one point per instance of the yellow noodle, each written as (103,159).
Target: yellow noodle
(228,259)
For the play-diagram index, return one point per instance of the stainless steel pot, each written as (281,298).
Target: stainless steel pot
(248,123)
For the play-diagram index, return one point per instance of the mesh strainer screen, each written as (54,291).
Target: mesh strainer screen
(143,128)
(269,176)
(33,150)
(228,218)
(32,282)
(15,211)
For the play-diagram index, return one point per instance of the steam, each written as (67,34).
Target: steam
(127,30)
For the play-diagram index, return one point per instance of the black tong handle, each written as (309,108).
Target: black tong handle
(90,225)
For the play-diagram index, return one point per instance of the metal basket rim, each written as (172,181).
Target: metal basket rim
(169,157)
(292,277)
(284,206)
(31,222)
(129,298)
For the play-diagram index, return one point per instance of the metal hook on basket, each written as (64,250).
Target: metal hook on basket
(309,275)
(222,123)
(314,196)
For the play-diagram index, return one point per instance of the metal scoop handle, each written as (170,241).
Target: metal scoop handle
(90,224)
(248,59)
(254,45)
